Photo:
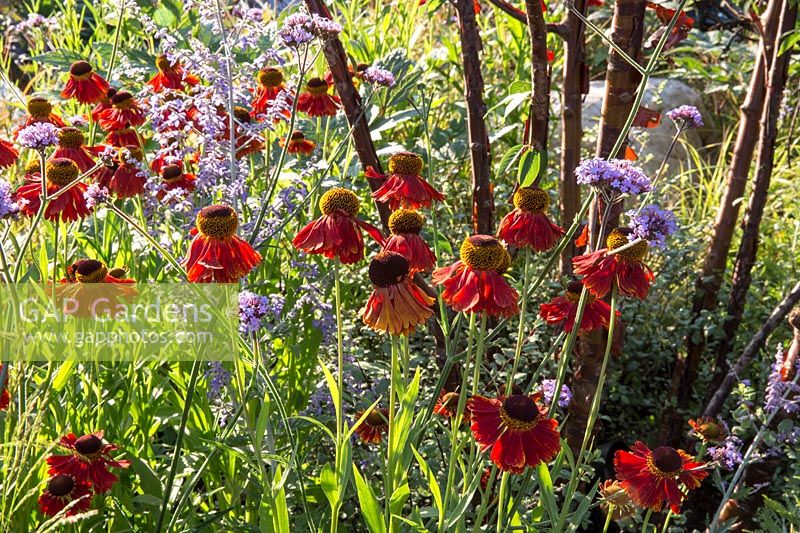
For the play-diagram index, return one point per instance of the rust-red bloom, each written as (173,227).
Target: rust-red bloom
(625,268)
(129,178)
(89,461)
(85,85)
(298,144)
(397,305)
(404,186)
(405,226)
(124,137)
(5,397)
(316,101)
(39,110)
(217,254)
(8,154)
(72,146)
(171,76)
(515,429)
(62,490)
(596,313)
(124,112)
(70,206)
(528,225)
(372,428)
(651,477)
(172,178)
(336,234)
(473,284)
(270,84)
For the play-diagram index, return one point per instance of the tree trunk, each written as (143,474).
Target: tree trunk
(539,116)
(622,81)
(709,281)
(748,248)
(576,84)
(480,157)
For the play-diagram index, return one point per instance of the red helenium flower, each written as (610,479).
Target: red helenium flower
(247,142)
(447,406)
(596,313)
(128,179)
(63,489)
(171,76)
(123,137)
(528,225)
(372,428)
(474,284)
(315,101)
(5,397)
(80,289)
(39,110)
(336,234)
(103,104)
(89,461)
(405,226)
(404,187)
(298,144)
(217,254)
(123,113)
(8,154)
(85,85)
(70,206)
(71,145)
(172,177)
(601,270)
(651,477)
(270,84)
(397,305)
(515,429)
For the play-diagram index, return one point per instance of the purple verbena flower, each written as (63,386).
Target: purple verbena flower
(324,28)
(218,378)
(95,195)
(548,388)
(614,176)
(38,136)
(686,117)
(729,454)
(252,309)
(781,393)
(296,30)
(378,76)
(8,207)
(652,224)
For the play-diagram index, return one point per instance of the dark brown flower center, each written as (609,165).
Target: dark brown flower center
(619,237)
(361,67)
(217,221)
(505,264)
(171,172)
(129,152)
(122,100)
(667,459)
(88,445)
(339,199)
(298,136)
(61,171)
(39,107)
(118,272)
(406,221)
(376,417)
(71,138)
(450,401)
(80,69)
(60,485)
(34,165)
(531,199)
(520,408)
(270,77)
(387,268)
(110,93)
(163,64)
(573,294)
(482,252)
(405,163)
(89,271)
(317,86)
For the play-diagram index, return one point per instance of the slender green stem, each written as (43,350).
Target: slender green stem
(501,502)
(479,349)
(390,458)
(176,454)
(646,520)
(609,513)
(526,276)
(666,522)
(340,386)
(455,448)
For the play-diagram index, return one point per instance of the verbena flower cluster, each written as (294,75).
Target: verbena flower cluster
(38,136)
(301,28)
(548,389)
(378,76)
(615,176)
(8,207)
(780,392)
(95,195)
(652,224)
(686,117)
(728,454)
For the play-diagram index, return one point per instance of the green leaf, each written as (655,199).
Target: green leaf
(370,506)
(790,39)
(327,480)
(151,485)
(332,386)
(546,492)
(531,164)
(433,484)
(398,499)
(65,371)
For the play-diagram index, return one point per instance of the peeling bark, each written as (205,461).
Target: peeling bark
(479,151)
